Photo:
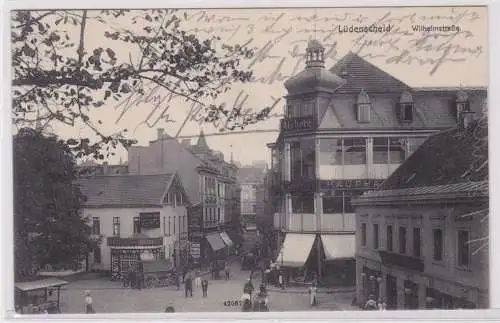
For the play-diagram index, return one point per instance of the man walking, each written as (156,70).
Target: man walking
(227,270)
(204,287)
(188,285)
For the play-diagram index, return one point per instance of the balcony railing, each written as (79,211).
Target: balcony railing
(298,124)
(305,222)
(134,242)
(402,261)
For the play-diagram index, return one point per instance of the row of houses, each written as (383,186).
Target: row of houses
(380,184)
(172,200)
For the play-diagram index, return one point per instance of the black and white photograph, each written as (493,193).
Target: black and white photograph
(169,160)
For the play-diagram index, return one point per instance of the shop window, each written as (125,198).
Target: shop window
(437,244)
(363,234)
(417,242)
(389,238)
(402,240)
(463,248)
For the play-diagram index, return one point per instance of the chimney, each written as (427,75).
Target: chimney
(160,132)
(466,118)
(105,168)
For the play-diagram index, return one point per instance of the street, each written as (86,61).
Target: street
(111,297)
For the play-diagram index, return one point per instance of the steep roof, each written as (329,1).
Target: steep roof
(454,156)
(360,74)
(202,142)
(125,190)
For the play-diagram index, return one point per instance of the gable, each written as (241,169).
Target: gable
(329,119)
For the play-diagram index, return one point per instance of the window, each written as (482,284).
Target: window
(164,226)
(389,238)
(363,234)
(137,225)
(375,236)
(463,248)
(254,208)
(116,226)
(355,151)
(364,105)
(97,255)
(417,242)
(406,107)
(174,224)
(402,240)
(218,214)
(96,226)
(169,226)
(438,244)
(407,112)
(380,150)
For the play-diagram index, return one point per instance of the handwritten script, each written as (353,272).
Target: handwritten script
(279,38)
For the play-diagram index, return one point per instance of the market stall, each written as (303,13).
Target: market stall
(38,297)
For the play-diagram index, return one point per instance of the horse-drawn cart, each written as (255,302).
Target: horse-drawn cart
(159,273)
(38,297)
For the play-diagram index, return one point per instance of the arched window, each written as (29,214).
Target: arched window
(406,107)
(363,106)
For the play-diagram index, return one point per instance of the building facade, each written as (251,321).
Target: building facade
(345,131)
(135,217)
(422,238)
(249,179)
(210,183)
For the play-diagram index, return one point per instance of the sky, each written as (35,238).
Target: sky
(279,37)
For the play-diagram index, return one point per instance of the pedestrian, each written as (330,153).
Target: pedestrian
(248,288)
(188,285)
(178,280)
(280,280)
(267,273)
(197,279)
(169,309)
(204,287)
(227,269)
(313,290)
(381,305)
(89,309)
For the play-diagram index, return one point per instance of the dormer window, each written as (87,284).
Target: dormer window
(406,107)
(462,104)
(363,105)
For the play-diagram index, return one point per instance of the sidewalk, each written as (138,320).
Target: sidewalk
(305,289)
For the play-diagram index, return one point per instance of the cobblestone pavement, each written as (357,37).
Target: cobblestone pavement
(111,297)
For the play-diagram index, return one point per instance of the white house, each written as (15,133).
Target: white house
(137,217)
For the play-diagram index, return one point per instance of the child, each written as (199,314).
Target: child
(88,302)
(197,280)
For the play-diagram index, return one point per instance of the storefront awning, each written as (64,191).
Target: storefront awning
(215,241)
(296,249)
(339,246)
(226,239)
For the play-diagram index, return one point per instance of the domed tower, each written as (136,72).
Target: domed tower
(309,91)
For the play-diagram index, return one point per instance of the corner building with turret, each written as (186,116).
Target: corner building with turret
(345,130)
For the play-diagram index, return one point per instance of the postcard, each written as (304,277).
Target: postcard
(250,160)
